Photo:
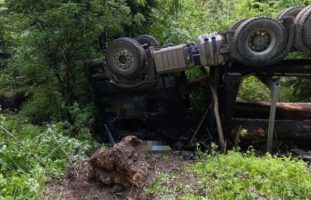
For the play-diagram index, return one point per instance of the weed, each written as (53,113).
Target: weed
(239,175)
(23,176)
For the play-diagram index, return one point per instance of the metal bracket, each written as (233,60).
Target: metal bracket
(275,93)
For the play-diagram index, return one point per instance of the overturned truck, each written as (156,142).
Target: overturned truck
(140,87)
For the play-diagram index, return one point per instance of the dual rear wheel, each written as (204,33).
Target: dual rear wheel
(303,29)
(264,41)
(259,41)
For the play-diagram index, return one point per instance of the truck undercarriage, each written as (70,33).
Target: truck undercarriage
(141,88)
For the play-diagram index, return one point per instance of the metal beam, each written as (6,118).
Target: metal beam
(275,92)
(294,67)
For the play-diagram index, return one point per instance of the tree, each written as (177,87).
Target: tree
(49,42)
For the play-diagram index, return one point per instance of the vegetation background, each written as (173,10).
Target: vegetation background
(48,42)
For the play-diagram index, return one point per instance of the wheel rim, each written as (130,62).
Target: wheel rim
(124,60)
(261,41)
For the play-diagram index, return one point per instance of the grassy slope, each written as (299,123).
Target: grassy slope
(23,176)
(213,176)
(236,176)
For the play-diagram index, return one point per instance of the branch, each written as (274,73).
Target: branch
(200,124)
(4,130)
(71,162)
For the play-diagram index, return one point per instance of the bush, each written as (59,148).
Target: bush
(23,176)
(253,89)
(236,176)
(50,40)
(246,176)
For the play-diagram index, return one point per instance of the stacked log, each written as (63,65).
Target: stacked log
(284,129)
(260,110)
(293,120)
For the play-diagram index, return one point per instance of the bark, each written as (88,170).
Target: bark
(284,129)
(260,110)
(124,164)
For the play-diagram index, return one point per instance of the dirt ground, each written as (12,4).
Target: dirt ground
(71,187)
(82,185)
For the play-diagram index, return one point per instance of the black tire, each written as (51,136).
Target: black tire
(289,12)
(235,26)
(300,14)
(125,58)
(303,20)
(260,41)
(147,39)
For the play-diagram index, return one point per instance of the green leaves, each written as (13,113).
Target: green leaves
(49,42)
(236,175)
(247,176)
(253,89)
(23,176)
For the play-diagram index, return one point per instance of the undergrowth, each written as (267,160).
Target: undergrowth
(44,154)
(237,175)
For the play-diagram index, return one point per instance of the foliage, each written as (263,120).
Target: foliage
(292,89)
(23,176)
(178,21)
(253,89)
(300,89)
(50,40)
(239,176)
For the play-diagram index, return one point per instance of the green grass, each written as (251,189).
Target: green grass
(23,176)
(238,176)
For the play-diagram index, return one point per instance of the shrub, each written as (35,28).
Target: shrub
(23,176)
(236,175)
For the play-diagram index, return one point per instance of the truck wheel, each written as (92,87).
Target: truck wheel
(260,41)
(303,20)
(125,58)
(237,24)
(147,39)
(289,12)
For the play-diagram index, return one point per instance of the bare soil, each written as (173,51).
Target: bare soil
(73,187)
(124,161)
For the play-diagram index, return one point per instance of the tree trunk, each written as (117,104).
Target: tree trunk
(260,110)
(284,129)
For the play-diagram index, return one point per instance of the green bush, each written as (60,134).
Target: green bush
(245,176)
(254,89)
(50,40)
(237,176)
(23,176)
(179,21)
